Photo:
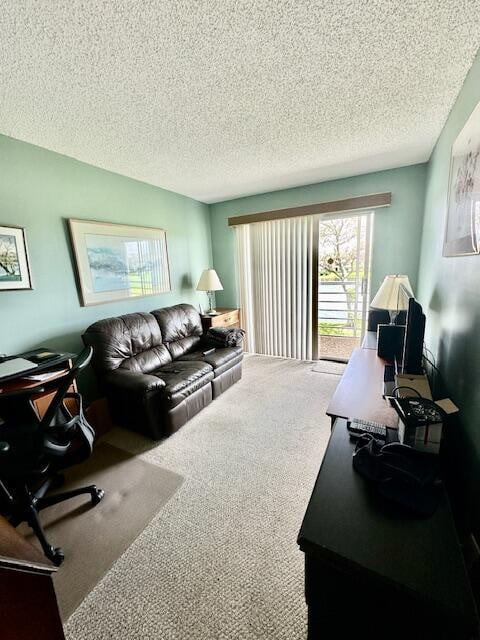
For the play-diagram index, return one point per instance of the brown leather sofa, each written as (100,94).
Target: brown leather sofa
(153,369)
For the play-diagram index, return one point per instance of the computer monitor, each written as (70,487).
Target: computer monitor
(410,359)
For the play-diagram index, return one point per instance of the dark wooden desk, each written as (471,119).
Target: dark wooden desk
(11,387)
(9,384)
(360,391)
(372,568)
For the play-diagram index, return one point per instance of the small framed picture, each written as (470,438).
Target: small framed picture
(14,265)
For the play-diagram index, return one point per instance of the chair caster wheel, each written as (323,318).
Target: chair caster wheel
(97,495)
(57,556)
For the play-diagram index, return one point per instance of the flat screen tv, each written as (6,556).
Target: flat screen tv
(411,314)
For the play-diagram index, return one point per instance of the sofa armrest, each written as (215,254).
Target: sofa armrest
(133,381)
(134,400)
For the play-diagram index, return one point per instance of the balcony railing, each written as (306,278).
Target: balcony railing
(340,308)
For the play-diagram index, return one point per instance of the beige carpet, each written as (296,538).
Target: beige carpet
(220,560)
(329,366)
(94,537)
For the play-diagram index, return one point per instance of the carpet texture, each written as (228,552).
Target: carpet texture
(93,538)
(220,560)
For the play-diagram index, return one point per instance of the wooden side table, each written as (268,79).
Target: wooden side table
(225,318)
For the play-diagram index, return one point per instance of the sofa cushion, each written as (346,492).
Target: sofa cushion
(183,378)
(181,328)
(132,341)
(183,346)
(218,359)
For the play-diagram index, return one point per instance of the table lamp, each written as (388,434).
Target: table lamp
(388,298)
(210,282)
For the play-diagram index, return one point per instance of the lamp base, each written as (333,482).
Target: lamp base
(211,300)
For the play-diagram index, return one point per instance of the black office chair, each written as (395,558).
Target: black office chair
(34,451)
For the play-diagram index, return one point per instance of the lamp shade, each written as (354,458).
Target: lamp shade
(387,297)
(209,281)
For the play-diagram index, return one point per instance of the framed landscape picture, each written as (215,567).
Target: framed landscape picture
(116,261)
(462,231)
(14,267)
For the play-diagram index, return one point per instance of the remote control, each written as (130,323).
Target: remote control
(358,427)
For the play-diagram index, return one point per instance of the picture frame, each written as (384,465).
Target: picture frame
(14,261)
(462,228)
(118,262)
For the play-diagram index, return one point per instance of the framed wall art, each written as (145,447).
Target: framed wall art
(14,265)
(462,231)
(117,261)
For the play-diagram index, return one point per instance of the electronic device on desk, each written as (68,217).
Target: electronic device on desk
(401,341)
(357,428)
(15,366)
(410,357)
(400,473)
(421,423)
(43,356)
(389,383)
(406,351)
(390,340)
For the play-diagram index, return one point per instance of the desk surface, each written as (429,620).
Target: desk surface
(360,391)
(10,385)
(348,524)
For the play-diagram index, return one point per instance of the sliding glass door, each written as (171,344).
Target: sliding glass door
(343,283)
(303,284)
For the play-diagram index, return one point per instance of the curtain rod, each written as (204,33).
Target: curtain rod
(373,201)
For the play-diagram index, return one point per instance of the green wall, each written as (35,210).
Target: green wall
(39,189)
(397,229)
(449,289)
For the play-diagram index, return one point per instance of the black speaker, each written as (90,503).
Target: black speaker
(390,340)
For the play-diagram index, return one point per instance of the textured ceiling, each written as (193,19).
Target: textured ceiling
(220,98)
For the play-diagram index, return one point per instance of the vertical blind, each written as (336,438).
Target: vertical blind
(276,267)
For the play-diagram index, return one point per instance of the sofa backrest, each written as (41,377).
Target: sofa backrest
(181,328)
(132,341)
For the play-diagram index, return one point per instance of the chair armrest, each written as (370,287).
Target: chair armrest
(133,381)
